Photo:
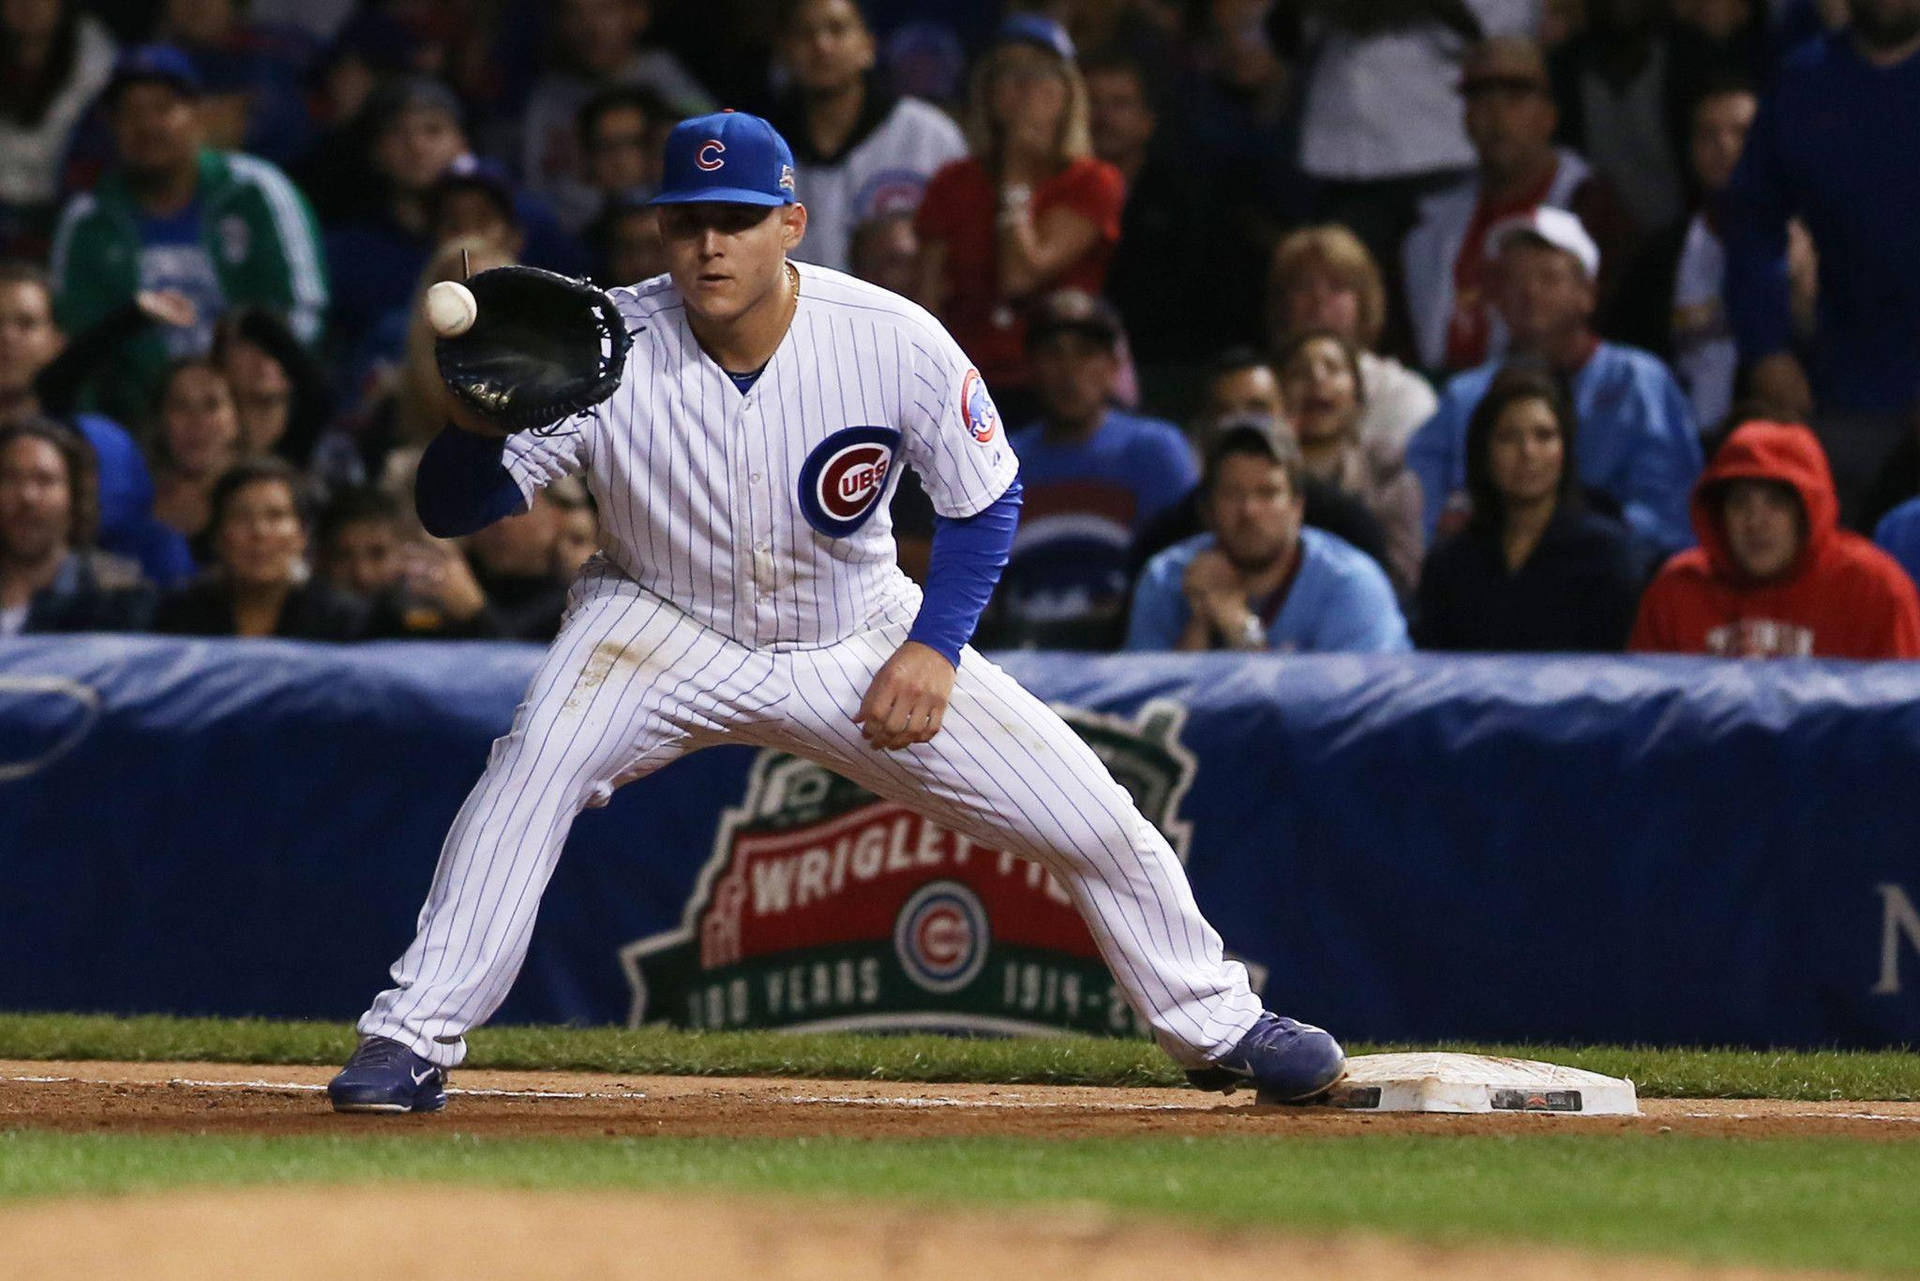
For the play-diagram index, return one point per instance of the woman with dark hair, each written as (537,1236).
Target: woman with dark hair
(193,438)
(1534,569)
(260,584)
(1029,212)
(279,390)
(54,60)
(52,579)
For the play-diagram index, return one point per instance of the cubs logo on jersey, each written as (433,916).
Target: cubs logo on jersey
(844,477)
(977,408)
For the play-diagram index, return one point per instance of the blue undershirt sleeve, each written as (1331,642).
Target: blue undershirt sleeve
(968,555)
(463,484)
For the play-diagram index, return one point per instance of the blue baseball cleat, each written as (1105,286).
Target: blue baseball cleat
(1285,1060)
(385,1076)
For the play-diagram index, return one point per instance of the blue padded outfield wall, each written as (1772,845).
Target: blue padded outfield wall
(1670,851)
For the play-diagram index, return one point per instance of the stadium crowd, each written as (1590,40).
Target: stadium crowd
(1539,325)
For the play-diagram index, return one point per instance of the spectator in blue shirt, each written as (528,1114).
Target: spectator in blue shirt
(1638,445)
(1260,580)
(1095,476)
(1898,535)
(1834,146)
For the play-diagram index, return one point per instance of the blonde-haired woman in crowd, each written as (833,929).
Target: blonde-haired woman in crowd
(1030,211)
(1324,278)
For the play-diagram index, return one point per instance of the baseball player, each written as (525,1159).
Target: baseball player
(747,592)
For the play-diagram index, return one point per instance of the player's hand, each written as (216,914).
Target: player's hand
(908,698)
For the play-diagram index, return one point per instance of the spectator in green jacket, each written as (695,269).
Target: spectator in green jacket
(221,228)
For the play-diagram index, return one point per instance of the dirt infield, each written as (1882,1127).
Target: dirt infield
(222,1098)
(481,1235)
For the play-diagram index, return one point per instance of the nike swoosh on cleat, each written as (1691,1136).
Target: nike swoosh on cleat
(418,1077)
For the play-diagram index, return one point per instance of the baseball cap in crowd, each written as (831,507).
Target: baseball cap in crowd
(154,64)
(1250,433)
(1556,229)
(1505,62)
(1075,311)
(729,158)
(1037,30)
(469,172)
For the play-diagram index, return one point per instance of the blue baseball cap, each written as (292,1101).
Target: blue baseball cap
(1038,30)
(729,158)
(154,63)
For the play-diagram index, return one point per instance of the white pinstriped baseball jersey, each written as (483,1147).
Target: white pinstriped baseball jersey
(764,515)
(747,593)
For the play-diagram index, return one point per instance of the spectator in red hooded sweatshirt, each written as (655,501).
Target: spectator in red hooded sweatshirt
(1774,574)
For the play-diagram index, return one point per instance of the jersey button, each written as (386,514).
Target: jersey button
(755,478)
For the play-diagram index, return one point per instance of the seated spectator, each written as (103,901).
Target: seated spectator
(1094,477)
(259,584)
(516,561)
(1898,535)
(279,389)
(1449,257)
(194,441)
(626,244)
(1534,570)
(54,60)
(1320,380)
(597,45)
(415,587)
(885,251)
(474,199)
(860,151)
(254,73)
(1029,212)
(1259,580)
(222,228)
(1324,278)
(1241,389)
(1669,301)
(30,346)
(1774,575)
(52,579)
(1638,445)
(623,134)
(418,140)
(1175,278)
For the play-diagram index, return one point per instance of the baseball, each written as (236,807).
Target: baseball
(451,308)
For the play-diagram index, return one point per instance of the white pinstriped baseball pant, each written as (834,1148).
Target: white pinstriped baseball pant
(632,683)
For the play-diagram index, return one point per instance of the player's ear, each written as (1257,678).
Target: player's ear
(793,226)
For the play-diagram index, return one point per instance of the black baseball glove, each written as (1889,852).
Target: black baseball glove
(543,347)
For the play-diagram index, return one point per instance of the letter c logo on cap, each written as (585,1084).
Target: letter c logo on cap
(709,156)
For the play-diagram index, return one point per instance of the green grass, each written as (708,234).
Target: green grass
(1774,1202)
(1703,1073)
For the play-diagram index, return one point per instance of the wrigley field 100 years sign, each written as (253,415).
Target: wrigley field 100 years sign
(823,906)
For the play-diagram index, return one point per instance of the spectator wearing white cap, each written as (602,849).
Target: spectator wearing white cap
(1447,259)
(1638,447)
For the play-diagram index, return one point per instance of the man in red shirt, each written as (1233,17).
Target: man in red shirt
(1446,259)
(1774,574)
